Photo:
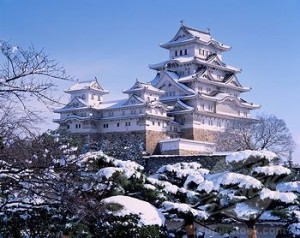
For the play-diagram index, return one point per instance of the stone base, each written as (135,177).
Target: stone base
(152,139)
(200,134)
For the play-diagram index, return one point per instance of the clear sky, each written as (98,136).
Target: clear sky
(115,41)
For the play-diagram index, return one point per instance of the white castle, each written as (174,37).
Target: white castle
(192,98)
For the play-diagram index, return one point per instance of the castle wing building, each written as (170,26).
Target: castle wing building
(190,100)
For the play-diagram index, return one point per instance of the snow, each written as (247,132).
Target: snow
(294,228)
(127,167)
(228,178)
(181,169)
(272,170)
(147,213)
(286,197)
(149,186)
(289,187)
(206,186)
(244,155)
(268,216)
(244,211)
(107,172)
(167,186)
(183,207)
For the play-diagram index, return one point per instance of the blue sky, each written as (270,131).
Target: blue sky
(115,41)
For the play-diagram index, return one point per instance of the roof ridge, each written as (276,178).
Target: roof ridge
(194,29)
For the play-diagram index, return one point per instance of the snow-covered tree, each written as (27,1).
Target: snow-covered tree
(248,191)
(48,185)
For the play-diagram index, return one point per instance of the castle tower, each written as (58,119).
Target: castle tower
(204,91)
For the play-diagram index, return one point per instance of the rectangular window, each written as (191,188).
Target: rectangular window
(180,52)
(118,124)
(175,52)
(105,125)
(185,52)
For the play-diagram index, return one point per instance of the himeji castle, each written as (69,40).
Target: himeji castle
(192,98)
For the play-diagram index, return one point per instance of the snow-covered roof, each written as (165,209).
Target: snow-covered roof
(87,85)
(189,59)
(139,86)
(187,34)
(175,77)
(181,107)
(146,212)
(178,60)
(76,103)
(222,96)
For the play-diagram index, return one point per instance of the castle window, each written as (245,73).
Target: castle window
(127,123)
(175,52)
(158,123)
(185,52)
(153,123)
(180,52)
(105,125)
(118,124)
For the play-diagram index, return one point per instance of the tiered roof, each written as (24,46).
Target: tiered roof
(140,86)
(87,85)
(186,35)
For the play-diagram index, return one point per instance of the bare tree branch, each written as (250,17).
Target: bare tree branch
(268,132)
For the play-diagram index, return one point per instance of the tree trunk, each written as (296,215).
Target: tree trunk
(190,230)
(252,232)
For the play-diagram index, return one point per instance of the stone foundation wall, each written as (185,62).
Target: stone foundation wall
(152,138)
(121,145)
(205,135)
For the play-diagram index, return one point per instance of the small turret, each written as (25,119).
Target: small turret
(89,91)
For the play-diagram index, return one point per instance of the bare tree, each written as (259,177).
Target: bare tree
(267,132)
(26,75)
